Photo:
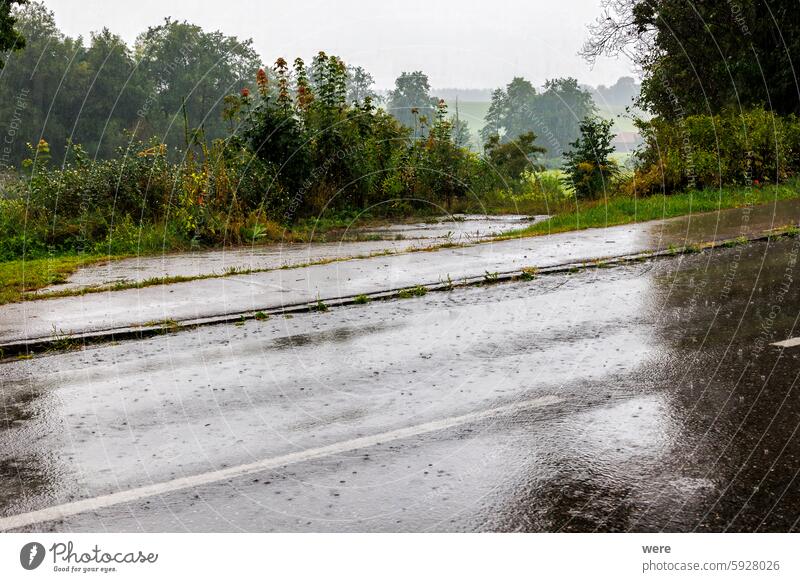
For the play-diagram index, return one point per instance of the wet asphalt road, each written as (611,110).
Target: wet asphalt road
(636,398)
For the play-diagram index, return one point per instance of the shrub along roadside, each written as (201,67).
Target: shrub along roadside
(624,209)
(754,147)
(18,277)
(298,151)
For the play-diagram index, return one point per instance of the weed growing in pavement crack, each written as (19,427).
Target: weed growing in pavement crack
(417,291)
(62,341)
(739,240)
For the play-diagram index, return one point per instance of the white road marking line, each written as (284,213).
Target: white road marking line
(789,343)
(67,509)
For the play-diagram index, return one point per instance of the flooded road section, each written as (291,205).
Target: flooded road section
(637,398)
(396,238)
(221,297)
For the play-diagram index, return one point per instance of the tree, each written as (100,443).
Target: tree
(59,89)
(623,93)
(554,114)
(512,159)
(40,93)
(519,108)
(113,90)
(459,132)
(511,111)
(410,101)
(10,38)
(192,71)
(704,57)
(445,165)
(588,167)
(558,111)
(360,85)
(494,119)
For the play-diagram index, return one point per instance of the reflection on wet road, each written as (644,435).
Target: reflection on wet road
(668,410)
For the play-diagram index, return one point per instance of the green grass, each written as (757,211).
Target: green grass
(19,277)
(627,209)
(417,291)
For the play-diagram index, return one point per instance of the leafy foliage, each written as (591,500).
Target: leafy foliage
(554,114)
(101,93)
(588,167)
(411,102)
(749,148)
(298,148)
(513,159)
(703,57)
(10,38)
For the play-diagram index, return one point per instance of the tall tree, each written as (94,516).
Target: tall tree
(410,101)
(703,57)
(192,71)
(360,85)
(10,38)
(494,119)
(40,92)
(554,114)
(558,112)
(113,91)
(510,113)
(520,106)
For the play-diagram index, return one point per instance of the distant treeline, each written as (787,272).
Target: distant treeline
(98,91)
(103,94)
(621,94)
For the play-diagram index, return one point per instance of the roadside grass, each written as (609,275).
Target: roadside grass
(22,276)
(19,278)
(26,292)
(628,209)
(418,291)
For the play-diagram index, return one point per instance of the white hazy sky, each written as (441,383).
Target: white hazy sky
(458,43)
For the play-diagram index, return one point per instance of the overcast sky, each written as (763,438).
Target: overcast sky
(458,43)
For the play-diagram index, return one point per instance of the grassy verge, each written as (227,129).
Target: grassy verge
(627,209)
(19,277)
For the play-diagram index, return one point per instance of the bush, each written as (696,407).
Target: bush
(588,167)
(295,152)
(705,151)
